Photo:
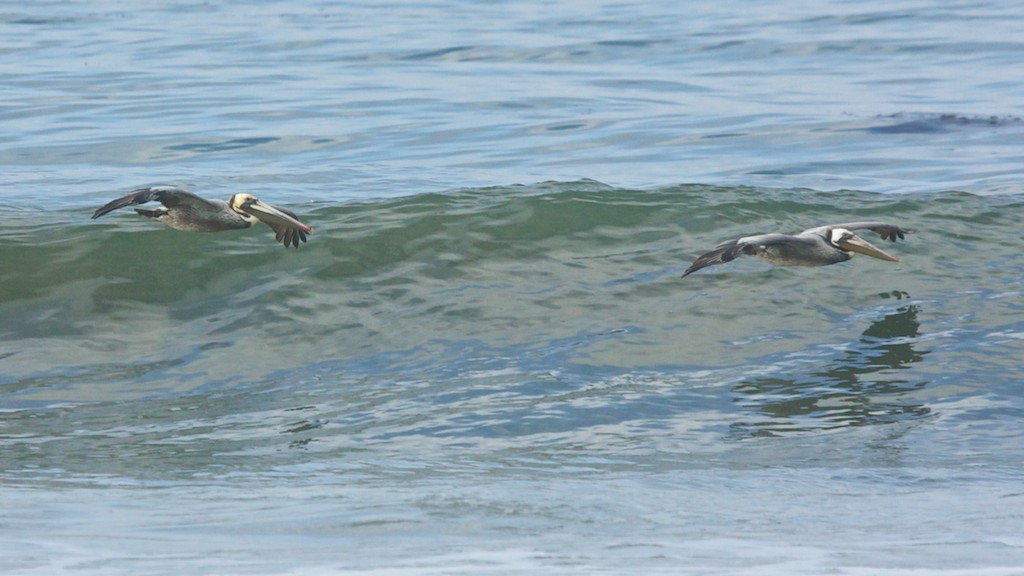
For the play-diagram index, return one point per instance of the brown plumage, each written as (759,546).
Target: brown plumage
(183,210)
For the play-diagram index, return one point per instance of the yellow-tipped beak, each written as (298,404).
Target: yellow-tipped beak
(862,246)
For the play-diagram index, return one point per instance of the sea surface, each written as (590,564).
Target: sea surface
(485,360)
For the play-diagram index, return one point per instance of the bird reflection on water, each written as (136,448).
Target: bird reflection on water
(859,388)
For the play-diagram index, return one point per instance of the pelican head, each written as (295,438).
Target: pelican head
(847,241)
(241,205)
(252,209)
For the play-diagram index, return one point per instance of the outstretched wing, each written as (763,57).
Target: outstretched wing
(286,232)
(169,196)
(887,231)
(285,224)
(749,245)
(725,252)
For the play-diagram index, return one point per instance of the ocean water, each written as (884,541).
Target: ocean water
(484,361)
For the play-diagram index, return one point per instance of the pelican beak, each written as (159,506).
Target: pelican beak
(273,216)
(857,244)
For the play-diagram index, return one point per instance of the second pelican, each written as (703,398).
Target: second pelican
(183,210)
(819,246)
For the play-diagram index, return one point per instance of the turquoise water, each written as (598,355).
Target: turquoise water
(485,361)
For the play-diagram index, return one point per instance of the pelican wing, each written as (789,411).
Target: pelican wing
(169,196)
(285,224)
(729,251)
(725,252)
(286,233)
(887,231)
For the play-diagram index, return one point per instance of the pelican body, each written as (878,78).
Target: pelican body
(819,246)
(183,210)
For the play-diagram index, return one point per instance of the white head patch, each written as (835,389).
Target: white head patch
(839,234)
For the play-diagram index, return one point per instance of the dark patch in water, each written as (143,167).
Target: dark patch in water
(940,123)
(443,53)
(233,144)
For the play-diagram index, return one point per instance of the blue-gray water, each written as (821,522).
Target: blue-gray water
(484,361)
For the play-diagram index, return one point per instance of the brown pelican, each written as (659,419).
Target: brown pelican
(819,246)
(184,210)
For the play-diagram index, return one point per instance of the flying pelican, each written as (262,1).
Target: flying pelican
(819,246)
(184,210)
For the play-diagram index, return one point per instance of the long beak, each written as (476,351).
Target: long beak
(273,216)
(862,246)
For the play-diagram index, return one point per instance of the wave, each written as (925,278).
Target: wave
(416,281)
(438,234)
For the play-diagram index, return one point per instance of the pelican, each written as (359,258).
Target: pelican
(183,210)
(819,246)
